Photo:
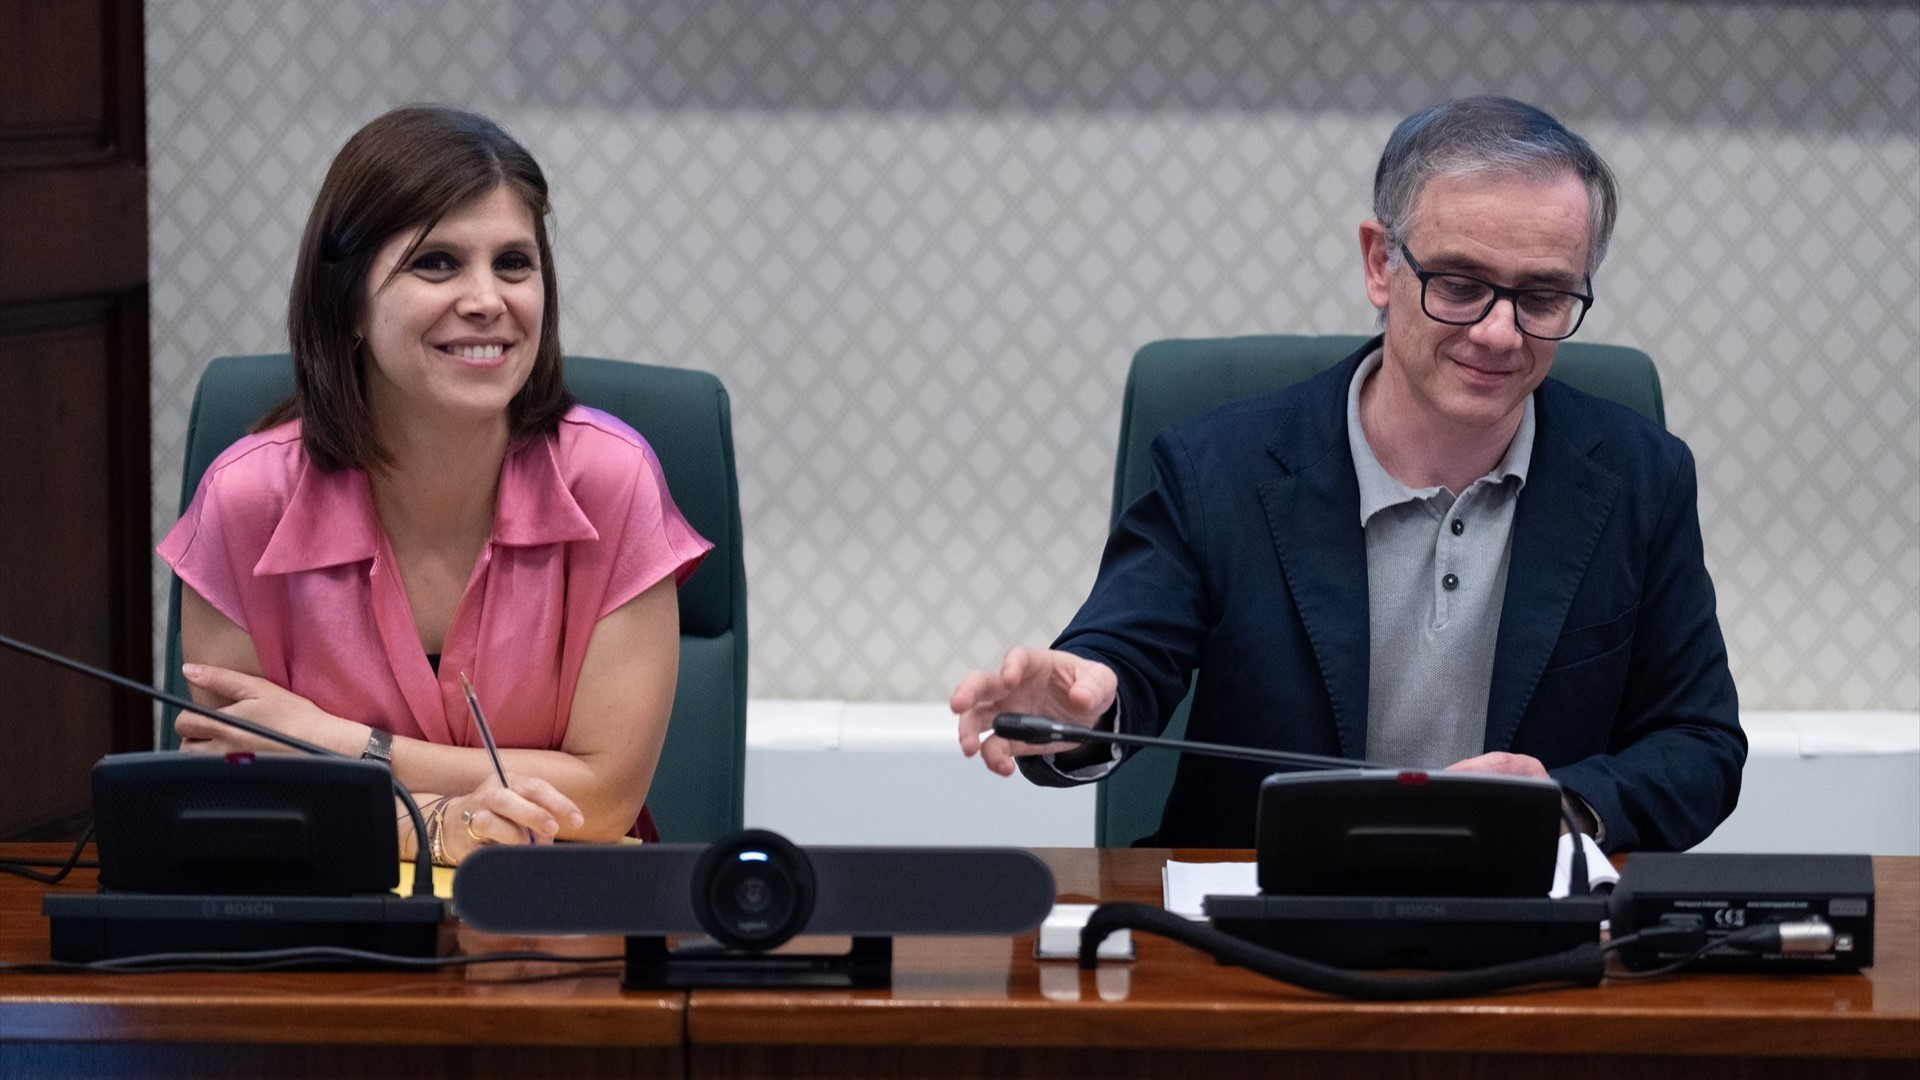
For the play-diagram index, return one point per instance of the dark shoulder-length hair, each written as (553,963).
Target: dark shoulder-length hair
(403,172)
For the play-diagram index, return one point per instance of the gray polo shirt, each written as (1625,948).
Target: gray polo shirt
(1436,579)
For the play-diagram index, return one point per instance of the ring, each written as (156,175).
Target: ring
(466,818)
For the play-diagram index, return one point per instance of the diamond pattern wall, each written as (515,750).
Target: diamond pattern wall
(919,242)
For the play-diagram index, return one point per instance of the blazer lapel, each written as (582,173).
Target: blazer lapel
(1314,513)
(1556,524)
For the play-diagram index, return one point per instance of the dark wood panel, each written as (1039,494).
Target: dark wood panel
(72,85)
(73,484)
(74,413)
(53,547)
(53,70)
(124,43)
(73,231)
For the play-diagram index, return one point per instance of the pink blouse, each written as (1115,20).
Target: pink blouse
(296,557)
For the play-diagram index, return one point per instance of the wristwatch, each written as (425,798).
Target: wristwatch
(379,747)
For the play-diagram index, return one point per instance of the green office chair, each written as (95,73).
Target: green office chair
(1172,381)
(699,788)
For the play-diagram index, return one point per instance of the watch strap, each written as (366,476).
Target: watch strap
(379,747)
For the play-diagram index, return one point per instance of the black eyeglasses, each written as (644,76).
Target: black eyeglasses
(1460,300)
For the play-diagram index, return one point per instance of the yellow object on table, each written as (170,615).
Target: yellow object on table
(443,876)
(442,881)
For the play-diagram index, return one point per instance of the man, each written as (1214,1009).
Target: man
(1427,555)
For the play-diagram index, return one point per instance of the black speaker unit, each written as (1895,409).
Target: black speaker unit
(1387,868)
(1407,833)
(244,824)
(244,852)
(752,893)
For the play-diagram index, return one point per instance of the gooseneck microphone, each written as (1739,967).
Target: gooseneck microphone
(1281,933)
(1026,728)
(423,858)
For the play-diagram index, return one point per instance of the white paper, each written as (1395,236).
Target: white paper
(1184,884)
(1599,870)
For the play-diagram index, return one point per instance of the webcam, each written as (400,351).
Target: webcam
(753,891)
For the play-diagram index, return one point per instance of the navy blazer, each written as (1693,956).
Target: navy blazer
(1246,562)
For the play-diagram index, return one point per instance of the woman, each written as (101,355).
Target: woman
(431,504)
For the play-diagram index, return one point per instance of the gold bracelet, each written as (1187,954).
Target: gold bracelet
(434,845)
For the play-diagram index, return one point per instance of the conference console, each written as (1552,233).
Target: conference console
(750,894)
(1363,866)
(242,853)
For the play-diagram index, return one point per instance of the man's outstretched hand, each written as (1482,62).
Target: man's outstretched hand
(1044,682)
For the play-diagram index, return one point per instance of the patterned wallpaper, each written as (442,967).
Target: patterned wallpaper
(920,240)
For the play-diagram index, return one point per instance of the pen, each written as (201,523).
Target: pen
(486,733)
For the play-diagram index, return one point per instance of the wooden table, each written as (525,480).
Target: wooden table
(958,1006)
(481,1022)
(972,1008)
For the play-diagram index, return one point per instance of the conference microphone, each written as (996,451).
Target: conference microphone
(423,858)
(1497,792)
(1362,865)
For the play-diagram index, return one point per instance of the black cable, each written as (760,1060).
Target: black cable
(20,867)
(1582,965)
(1578,884)
(1664,969)
(1752,939)
(285,959)
(1683,934)
(1688,933)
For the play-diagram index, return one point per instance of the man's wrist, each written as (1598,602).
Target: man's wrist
(1583,814)
(1090,753)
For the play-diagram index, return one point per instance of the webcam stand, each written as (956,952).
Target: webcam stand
(652,965)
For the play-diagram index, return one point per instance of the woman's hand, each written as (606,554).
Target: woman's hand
(528,807)
(256,699)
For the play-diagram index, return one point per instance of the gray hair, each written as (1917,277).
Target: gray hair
(1487,135)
